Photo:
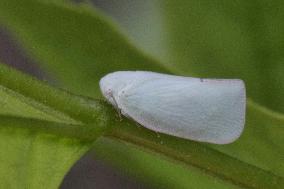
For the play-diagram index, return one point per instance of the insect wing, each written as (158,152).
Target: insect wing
(206,110)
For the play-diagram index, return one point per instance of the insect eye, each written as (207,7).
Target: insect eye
(108,91)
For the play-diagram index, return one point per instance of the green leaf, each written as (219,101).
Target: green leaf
(79,46)
(35,159)
(43,131)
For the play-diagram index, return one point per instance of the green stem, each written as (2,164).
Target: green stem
(82,109)
(84,133)
(199,155)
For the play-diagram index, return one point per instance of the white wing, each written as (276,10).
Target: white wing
(207,110)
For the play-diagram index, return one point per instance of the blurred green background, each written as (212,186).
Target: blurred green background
(211,38)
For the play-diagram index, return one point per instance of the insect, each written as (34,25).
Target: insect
(205,110)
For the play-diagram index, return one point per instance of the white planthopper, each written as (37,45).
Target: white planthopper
(206,110)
